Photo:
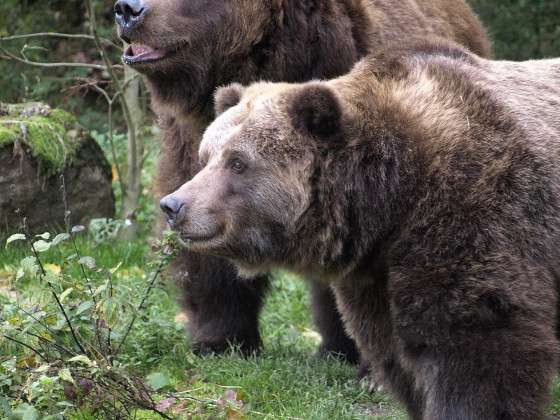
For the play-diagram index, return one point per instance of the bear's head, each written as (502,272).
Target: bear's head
(185,48)
(165,34)
(252,198)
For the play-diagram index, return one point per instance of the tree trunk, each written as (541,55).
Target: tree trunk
(133,192)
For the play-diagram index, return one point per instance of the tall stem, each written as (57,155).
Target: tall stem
(135,146)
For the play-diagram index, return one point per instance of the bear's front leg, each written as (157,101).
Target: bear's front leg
(329,324)
(222,309)
(364,306)
(476,347)
(500,375)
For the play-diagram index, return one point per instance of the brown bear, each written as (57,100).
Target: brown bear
(425,187)
(187,48)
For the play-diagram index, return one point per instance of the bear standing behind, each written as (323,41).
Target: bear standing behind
(187,48)
(425,185)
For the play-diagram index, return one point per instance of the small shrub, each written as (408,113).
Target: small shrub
(65,337)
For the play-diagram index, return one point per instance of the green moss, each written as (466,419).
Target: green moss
(63,117)
(8,135)
(52,136)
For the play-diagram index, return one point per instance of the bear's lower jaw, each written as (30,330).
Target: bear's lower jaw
(200,244)
(193,238)
(140,54)
(213,243)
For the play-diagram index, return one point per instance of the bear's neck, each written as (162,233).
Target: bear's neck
(305,40)
(362,196)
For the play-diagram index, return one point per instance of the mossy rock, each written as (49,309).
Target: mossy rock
(38,145)
(52,135)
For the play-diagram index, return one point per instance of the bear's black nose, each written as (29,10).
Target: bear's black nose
(171,206)
(128,13)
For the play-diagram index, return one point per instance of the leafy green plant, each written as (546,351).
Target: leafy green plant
(103,229)
(67,338)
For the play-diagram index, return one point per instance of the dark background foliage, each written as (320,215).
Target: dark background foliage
(520,29)
(58,86)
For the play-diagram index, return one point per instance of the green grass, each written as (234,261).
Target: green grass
(285,381)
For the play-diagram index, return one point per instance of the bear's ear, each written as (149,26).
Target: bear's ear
(315,110)
(227,97)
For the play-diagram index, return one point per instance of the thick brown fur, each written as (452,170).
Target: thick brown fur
(212,43)
(432,206)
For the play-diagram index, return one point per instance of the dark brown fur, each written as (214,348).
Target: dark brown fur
(211,43)
(432,204)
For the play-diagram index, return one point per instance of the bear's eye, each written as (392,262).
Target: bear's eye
(237,166)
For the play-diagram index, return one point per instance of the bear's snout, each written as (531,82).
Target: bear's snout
(129,13)
(171,206)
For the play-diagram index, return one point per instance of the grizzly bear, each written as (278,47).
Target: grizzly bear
(425,187)
(187,48)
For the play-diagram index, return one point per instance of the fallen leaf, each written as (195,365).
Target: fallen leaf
(164,405)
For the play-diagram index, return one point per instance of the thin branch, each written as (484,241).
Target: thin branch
(130,80)
(45,34)
(67,213)
(69,231)
(11,56)
(50,342)
(56,35)
(43,324)
(110,102)
(21,343)
(148,291)
(155,410)
(114,151)
(43,275)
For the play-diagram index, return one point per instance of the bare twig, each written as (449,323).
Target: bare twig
(44,325)
(110,102)
(45,34)
(78,254)
(69,231)
(139,308)
(49,342)
(43,276)
(85,83)
(56,35)
(7,54)
(30,315)
(27,346)
(109,344)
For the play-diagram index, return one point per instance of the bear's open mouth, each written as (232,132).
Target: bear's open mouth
(140,53)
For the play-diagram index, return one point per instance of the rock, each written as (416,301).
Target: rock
(37,145)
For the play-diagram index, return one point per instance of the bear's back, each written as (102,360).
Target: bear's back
(524,96)
(408,21)
(488,133)
(531,90)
